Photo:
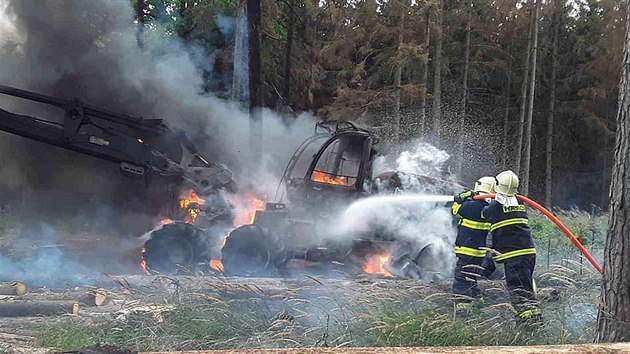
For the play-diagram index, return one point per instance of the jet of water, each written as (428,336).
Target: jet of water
(363,210)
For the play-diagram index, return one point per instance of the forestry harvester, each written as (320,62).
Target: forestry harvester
(329,171)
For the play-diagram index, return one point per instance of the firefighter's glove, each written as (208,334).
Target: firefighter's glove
(462,197)
(488,266)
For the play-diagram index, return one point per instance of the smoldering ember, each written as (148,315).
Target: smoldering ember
(314,176)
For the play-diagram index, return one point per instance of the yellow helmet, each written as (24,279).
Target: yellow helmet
(485,185)
(506,183)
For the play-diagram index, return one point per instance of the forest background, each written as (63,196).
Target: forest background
(456,72)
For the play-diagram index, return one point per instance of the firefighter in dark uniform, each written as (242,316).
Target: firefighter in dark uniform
(513,246)
(470,243)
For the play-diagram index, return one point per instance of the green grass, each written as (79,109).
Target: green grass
(273,323)
(554,247)
(189,326)
(413,326)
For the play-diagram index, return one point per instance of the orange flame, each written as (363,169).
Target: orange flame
(323,177)
(192,203)
(375,263)
(216,265)
(245,209)
(143,262)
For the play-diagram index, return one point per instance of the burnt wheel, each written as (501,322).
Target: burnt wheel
(177,248)
(252,251)
(429,262)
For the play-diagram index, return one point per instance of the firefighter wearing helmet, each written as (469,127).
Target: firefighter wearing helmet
(512,241)
(470,243)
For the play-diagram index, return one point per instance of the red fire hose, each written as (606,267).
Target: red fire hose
(556,221)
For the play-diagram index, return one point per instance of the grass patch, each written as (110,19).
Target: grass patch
(210,323)
(492,325)
(554,247)
(190,326)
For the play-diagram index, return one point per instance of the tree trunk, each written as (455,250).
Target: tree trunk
(140,18)
(613,319)
(240,75)
(521,116)
(462,112)
(255,82)
(425,75)
(530,110)
(287,53)
(437,76)
(552,104)
(506,114)
(397,80)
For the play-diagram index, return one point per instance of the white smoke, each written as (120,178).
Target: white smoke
(416,214)
(420,158)
(415,221)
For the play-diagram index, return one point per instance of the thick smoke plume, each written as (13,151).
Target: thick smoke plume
(88,49)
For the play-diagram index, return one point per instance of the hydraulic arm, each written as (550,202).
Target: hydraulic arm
(139,145)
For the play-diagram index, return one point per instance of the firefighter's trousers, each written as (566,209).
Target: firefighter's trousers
(467,271)
(519,278)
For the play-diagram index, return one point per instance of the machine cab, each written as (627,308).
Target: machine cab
(339,163)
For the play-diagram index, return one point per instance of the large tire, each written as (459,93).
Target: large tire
(177,248)
(252,251)
(430,263)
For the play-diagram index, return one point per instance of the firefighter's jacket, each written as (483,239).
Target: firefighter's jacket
(511,235)
(472,229)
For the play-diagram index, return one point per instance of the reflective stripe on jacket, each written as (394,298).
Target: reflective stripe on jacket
(472,229)
(511,236)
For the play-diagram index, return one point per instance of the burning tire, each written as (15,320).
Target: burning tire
(252,251)
(177,248)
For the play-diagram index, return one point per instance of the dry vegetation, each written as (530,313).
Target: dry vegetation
(212,313)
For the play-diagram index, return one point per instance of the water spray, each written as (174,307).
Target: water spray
(556,221)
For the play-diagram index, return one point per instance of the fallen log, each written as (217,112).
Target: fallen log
(13,288)
(37,308)
(94,297)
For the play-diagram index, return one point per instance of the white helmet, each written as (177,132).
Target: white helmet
(485,185)
(507,183)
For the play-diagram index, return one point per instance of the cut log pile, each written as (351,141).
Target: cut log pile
(126,296)
(17,301)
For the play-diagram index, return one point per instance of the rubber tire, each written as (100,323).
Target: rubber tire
(252,251)
(177,248)
(427,260)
